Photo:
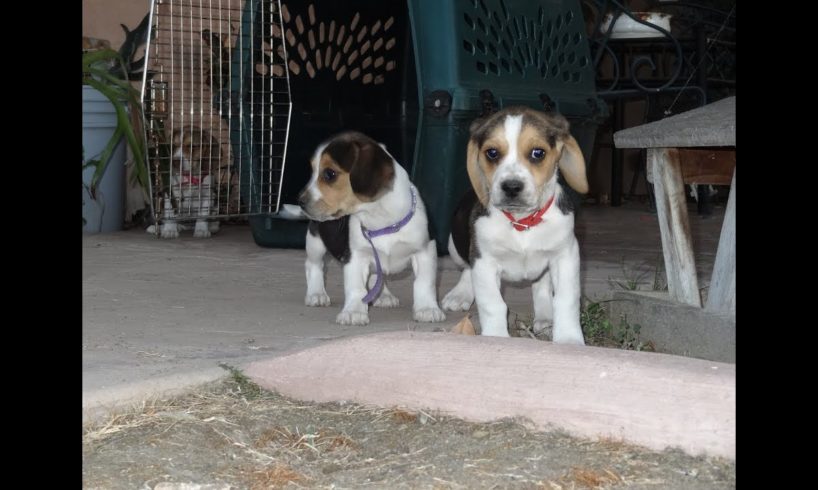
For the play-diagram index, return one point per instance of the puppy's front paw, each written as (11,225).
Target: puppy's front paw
(169,231)
(387,301)
(429,315)
(202,230)
(352,318)
(493,328)
(544,329)
(569,339)
(455,301)
(320,299)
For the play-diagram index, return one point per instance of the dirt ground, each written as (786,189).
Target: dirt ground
(234,435)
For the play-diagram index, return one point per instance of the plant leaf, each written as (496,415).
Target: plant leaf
(124,127)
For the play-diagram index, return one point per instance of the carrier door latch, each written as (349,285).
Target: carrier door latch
(438,102)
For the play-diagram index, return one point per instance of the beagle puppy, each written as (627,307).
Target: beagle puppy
(193,182)
(366,213)
(517,222)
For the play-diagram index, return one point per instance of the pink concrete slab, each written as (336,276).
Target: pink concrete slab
(654,400)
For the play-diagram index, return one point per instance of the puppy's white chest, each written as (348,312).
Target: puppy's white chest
(191,188)
(518,259)
(521,255)
(396,258)
(394,251)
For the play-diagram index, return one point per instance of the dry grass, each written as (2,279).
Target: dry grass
(212,403)
(591,478)
(339,441)
(612,443)
(584,478)
(295,440)
(264,440)
(403,416)
(145,413)
(275,476)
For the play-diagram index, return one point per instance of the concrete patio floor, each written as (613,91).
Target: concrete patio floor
(161,315)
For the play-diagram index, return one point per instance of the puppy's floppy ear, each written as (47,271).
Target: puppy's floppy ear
(572,165)
(476,175)
(476,124)
(372,172)
(369,166)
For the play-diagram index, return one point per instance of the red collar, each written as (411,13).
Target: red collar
(188,179)
(531,220)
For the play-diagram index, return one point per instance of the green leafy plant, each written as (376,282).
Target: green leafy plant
(105,71)
(599,330)
(596,326)
(627,336)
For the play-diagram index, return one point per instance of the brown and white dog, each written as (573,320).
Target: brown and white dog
(193,182)
(517,222)
(367,214)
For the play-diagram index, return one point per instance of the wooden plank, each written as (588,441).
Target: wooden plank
(707,166)
(722,293)
(704,166)
(710,125)
(671,208)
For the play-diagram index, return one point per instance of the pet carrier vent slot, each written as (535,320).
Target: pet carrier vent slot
(521,41)
(354,38)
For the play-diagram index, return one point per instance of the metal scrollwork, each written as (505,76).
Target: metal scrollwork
(601,41)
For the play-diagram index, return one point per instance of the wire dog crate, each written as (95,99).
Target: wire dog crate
(216,96)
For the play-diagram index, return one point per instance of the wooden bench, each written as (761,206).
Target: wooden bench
(695,147)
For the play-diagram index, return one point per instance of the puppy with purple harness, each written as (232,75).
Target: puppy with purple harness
(517,222)
(366,213)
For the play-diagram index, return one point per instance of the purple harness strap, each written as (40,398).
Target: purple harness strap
(373,293)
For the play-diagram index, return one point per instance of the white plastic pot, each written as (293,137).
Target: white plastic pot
(627,28)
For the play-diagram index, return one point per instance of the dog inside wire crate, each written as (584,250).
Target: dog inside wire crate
(216,99)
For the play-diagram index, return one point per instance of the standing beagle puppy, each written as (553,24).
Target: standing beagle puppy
(367,214)
(517,222)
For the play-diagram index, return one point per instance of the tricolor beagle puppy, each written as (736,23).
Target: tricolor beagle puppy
(194,182)
(517,222)
(367,214)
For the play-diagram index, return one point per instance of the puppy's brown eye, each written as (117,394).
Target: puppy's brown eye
(537,154)
(328,175)
(492,154)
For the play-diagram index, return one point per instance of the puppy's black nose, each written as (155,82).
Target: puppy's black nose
(512,187)
(302,199)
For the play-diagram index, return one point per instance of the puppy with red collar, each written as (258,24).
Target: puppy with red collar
(367,214)
(517,222)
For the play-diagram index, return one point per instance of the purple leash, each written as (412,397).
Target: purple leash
(373,293)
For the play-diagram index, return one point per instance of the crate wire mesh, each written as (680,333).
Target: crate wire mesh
(216,96)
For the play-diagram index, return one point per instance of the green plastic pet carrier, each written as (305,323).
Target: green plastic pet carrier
(415,74)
